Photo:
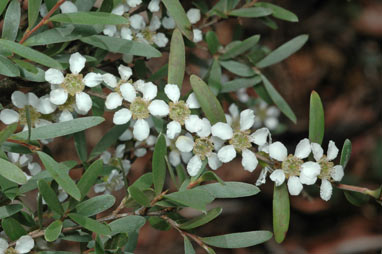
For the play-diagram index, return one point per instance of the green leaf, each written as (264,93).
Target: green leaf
(33,11)
(95,205)
(3,4)
(108,140)
(50,197)
(188,249)
(177,59)
(58,172)
(7,132)
(345,153)
(253,12)
(144,182)
(212,42)
(278,100)
(61,129)
(240,48)
(80,145)
(12,228)
(11,21)
(52,232)
(159,164)
(25,65)
(202,219)
(30,54)
(281,212)
(230,189)
(279,12)
(118,45)
(194,198)
(207,100)
(127,224)
(238,240)
(237,68)
(39,77)
(284,51)
(90,224)
(214,79)
(9,210)
(139,196)
(11,172)
(7,68)
(90,176)
(236,84)
(90,18)
(176,11)
(316,119)
(356,198)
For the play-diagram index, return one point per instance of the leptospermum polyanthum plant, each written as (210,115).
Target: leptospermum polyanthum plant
(69,64)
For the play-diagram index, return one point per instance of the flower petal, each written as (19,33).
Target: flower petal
(65,116)
(122,116)
(303,149)
(105,156)
(160,40)
(120,150)
(110,80)
(141,129)
(174,158)
(24,244)
(68,7)
(34,168)
(194,165)
(332,150)
(99,187)
(9,116)
(126,135)
(92,79)
(234,111)
(173,129)
(110,30)
(58,96)
(193,15)
(125,72)
(184,144)
(249,160)
(45,106)
(19,99)
(76,63)
(197,35)
(278,177)
(192,102)
(137,22)
(247,119)
(278,151)
(227,153)
(168,22)
(149,91)
(54,76)
(260,136)
(205,131)
(113,101)
(153,6)
(309,172)
(337,173)
(172,92)
(128,92)
(83,102)
(158,108)
(326,190)
(193,123)
(213,161)
(317,150)
(294,185)
(222,131)
(3,245)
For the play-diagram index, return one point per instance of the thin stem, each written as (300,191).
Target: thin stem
(29,146)
(42,22)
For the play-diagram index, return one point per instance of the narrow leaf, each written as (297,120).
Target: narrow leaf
(207,100)
(284,51)
(33,12)
(7,68)
(50,197)
(214,79)
(118,45)
(237,68)
(9,210)
(177,59)
(11,21)
(90,176)
(281,212)
(202,219)
(12,228)
(80,145)
(278,100)
(90,224)
(188,249)
(316,119)
(236,84)
(212,42)
(12,172)
(159,164)
(139,196)
(176,11)
(7,132)
(240,48)
(253,12)
(194,198)
(95,205)
(57,171)
(52,232)
(230,189)
(127,224)
(345,153)
(90,18)
(61,129)
(3,4)
(279,12)
(238,240)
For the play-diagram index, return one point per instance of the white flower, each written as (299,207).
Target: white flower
(193,15)
(72,84)
(160,40)
(68,7)
(197,35)
(153,5)
(267,115)
(23,245)
(137,22)
(133,3)
(168,22)
(154,23)
(112,182)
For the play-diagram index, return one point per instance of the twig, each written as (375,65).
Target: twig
(377,194)
(29,146)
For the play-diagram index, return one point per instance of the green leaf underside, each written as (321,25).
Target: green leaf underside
(90,176)
(11,172)
(207,100)
(253,12)
(11,21)
(281,212)
(279,12)
(159,164)
(61,129)
(127,224)
(9,210)
(284,51)
(345,153)
(139,196)
(202,219)
(50,197)
(90,18)
(238,240)
(7,132)
(278,100)
(52,232)
(90,224)
(177,59)
(176,11)
(230,189)
(30,54)
(236,84)
(316,119)
(212,42)
(58,172)
(33,11)
(240,48)
(194,198)
(118,45)
(8,68)
(188,249)
(237,68)
(95,205)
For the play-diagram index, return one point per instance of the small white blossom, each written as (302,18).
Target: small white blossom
(197,35)
(68,7)
(193,15)
(133,3)
(154,5)
(23,245)
(168,22)
(112,182)
(137,22)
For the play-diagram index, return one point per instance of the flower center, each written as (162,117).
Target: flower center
(203,147)
(241,140)
(148,35)
(291,165)
(139,108)
(179,111)
(326,167)
(33,115)
(69,104)
(73,84)
(10,251)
